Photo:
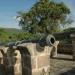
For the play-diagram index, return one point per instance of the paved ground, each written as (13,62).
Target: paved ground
(62,65)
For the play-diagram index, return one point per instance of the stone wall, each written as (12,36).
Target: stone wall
(36,62)
(65,48)
(37,59)
(73,44)
(28,59)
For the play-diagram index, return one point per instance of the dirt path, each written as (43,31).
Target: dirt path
(62,65)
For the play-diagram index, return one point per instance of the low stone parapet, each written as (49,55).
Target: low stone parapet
(73,44)
(29,58)
(37,60)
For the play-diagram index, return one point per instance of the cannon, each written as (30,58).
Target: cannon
(47,40)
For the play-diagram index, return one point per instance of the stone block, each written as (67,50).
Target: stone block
(33,59)
(29,46)
(42,50)
(73,44)
(36,73)
(43,60)
(33,62)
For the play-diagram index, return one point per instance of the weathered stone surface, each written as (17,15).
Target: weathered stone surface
(36,72)
(26,71)
(42,71)
(73,44)
(18,65)
(38,57)
(31,59)
(29,62)
(1,58)
(33,62)
(45,50)
(54,50)
(34,48)
(2,67)
(30,46)
(43,60)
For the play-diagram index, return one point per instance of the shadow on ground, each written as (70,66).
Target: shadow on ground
(62,65)
(64,57)
(69,72)
(61,58)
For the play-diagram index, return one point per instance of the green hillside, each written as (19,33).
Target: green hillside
(7,34)
(11,30)
(12,34)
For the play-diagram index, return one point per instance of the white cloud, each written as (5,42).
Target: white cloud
(73,24)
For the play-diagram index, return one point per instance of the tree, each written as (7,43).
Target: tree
(45,17)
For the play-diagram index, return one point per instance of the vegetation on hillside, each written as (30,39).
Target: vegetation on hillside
(13,35)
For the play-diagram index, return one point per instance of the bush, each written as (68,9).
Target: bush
(6,37)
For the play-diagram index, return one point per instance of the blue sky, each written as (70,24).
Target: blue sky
(9,9)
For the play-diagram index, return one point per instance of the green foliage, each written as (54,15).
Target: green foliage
(44,17)
(13,35)
(26,36)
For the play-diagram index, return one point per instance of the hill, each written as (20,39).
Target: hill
(10,30)
(12,35)
(7,34)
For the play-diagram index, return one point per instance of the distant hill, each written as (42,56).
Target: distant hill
(13,35)
(7,33)
(11,30)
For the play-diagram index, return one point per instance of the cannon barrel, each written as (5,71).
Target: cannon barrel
(47,40)
(50,40)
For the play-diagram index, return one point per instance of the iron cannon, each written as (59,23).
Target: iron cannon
(47,40)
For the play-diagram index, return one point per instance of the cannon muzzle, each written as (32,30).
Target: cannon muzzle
(48,40)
